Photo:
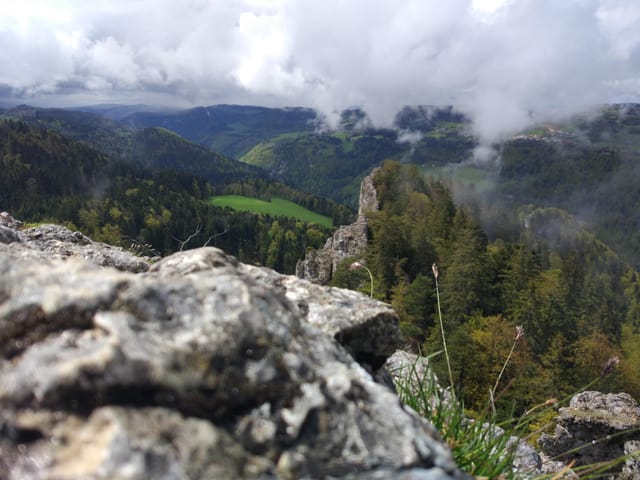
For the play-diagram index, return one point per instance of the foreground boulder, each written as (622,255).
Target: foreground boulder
(199,368)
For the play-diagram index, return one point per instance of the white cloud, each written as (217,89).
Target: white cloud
(504,62)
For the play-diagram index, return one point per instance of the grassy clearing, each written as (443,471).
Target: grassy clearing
(277,207)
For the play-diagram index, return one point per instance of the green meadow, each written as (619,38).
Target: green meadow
(277,207)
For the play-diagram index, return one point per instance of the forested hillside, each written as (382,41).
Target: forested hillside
(46,177)
(229,129)
(555,199)
(589,167)
(328,165)
(155,148)
(576,299)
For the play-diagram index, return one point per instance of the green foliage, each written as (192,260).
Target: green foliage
(568,290)
(478,447)
(324,164)
(49,177)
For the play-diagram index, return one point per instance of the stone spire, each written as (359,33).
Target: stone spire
(347,241)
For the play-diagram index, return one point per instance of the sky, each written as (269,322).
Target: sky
(505,63)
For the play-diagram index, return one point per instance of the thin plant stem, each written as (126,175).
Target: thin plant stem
(492,392)
(370,279)
(355,266)
(444,340)
(504,367)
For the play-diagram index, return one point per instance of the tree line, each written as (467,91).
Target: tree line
(48,178)
(577,301)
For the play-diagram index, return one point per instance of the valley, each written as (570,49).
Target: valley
(544,236)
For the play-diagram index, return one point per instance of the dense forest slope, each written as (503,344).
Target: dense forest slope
(577,301)
(229,129)
(332,163)
(47,177)
(155,148)
(589,167)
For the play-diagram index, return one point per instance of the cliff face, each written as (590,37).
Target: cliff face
(347,241)
(197,367)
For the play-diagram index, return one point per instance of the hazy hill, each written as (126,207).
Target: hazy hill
(103,134)
(150,147)
(229,129)
(160,148)
(332,163)
(589,167)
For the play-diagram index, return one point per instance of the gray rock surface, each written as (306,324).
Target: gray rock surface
(593,426)
(55,241)
(199,368)
(347,241)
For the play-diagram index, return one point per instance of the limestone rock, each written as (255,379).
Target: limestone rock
(8,229)
(368,200)
(347,241)
(595,423)
(199,368)
(55,241)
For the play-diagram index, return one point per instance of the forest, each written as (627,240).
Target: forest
(577,301)
(48,178)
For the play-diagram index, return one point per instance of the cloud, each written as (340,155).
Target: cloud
(504,63)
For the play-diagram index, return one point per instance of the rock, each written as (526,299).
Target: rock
(594,425)
(6,220)
(55,241)
(9,229)
(347,241)
(9,235)
(368,201)
(199,368)
(631,468)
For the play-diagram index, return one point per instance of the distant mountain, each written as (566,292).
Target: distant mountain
(104,134)
(159,148)
(332,163)
(150,147)
(117,112)
(589,167)
(229,129)
(329,164)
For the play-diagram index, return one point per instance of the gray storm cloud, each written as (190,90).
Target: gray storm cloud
(527,61)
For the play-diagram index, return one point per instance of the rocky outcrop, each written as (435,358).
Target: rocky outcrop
(368,200)
(54,241)
(597,427)
(347,241)
(199,368)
